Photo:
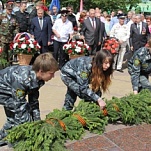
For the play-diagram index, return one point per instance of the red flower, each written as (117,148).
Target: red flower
(11,45)
(38,47)
(29,49)
(81,20)
(89,48)
(35,42)
(75,29)
(27,42)
(19,45)
(84,46)
(73,46)
(69,51)
(44,8)
(82,51)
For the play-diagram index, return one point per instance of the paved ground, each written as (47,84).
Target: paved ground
(116,138)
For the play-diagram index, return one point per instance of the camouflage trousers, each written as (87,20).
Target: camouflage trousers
(144,82)
(73,90)
(16,113)
(6,48)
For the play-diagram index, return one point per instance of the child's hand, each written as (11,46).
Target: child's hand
(101,103)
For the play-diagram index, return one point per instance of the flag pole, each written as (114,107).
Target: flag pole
(81,5)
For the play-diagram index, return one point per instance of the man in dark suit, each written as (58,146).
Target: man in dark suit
(103,31)
(41,30)
(91,30)
(139,34)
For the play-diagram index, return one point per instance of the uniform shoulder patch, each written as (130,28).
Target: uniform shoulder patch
(84,75)
(20,93)
(136,62)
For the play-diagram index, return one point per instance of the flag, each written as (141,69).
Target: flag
(54,3)
(81,5)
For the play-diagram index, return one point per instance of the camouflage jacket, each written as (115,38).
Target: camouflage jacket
(18,81)
(79,72)
(139,64)
(8,28)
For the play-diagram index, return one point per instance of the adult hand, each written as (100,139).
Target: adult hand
(121,41)
(81,37)
(131,48)
(49,43)
(32,36)
(135,92)
(57,35)
(99,43)
(101,103)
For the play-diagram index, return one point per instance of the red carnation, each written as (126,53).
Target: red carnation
(85,46)
(81,20)
(72,46)
(38,47)
(27,42)
(44,8)
(29,49)
(89,48)
(75,29)
(19,46)
(11,46)
(69,51)
(35,42)
(82,51)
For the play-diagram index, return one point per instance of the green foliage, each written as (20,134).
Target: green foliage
(105,5)
(90,112)
(60,125)
(131,109)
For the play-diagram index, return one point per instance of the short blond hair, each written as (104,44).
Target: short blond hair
(45,62)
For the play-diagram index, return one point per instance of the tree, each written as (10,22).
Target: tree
(105,5)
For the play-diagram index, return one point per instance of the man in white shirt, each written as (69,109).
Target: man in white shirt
(63,30)
(120,32)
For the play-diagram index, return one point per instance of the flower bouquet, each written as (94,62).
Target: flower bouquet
(76,49)
(24,46)
(111,45)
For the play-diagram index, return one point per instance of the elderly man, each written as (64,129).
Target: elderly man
(8,29)
(63,30)
(120,32)
(139,34)
(91,30)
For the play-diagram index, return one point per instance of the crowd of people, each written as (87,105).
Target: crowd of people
(87,76)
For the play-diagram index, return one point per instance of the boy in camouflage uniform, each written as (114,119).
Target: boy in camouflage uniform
(139,67)
(18,81)
(8,28)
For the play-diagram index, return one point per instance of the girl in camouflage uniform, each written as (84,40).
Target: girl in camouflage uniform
(18,81)
(86,77)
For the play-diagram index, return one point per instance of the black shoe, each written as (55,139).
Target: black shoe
(120,70)
(3,143)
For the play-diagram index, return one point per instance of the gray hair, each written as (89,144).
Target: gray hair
(138,16)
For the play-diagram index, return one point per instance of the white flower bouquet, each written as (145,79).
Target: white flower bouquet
(24,44)
(76,48)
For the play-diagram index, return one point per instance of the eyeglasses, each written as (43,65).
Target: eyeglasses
(64,15)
